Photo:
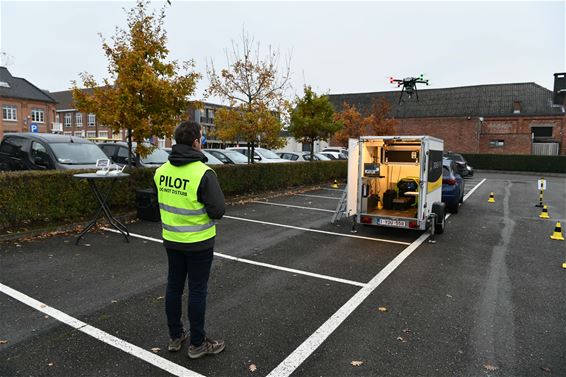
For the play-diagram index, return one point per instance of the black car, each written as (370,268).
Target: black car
(118,152)
(464,169)
(42,151)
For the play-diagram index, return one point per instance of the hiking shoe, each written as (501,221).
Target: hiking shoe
(208,347)
(176,344)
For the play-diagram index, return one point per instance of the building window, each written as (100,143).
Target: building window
(9,112)
(161,143)
(79,133)
(68,118)
(103,134)
(79,119)
(91,134)
(497,143)
(68,133)
(91,120)
(37,115)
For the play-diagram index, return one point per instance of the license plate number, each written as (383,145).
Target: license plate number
(397,223)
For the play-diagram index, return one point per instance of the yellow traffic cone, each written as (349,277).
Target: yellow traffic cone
(334,185)
(557,235)
(491,198)
(544,213)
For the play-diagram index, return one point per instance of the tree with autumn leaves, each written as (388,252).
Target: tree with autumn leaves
(312,119)
(377,122)
(254,86)
(145,94)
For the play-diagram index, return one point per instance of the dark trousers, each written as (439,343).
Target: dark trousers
(196,266)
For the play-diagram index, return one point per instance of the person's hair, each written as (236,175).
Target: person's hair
(187,132)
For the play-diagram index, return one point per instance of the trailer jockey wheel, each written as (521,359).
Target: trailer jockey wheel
(439,209)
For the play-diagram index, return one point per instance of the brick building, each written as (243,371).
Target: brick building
(25,107)
(499,118)
(75,123)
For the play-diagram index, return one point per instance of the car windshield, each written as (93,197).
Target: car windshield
(157,157)
(211,159)
(236,156)
(77,153)
(268,154)
(455,157)
(321,157)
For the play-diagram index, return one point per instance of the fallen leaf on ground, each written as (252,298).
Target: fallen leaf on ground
(160,298)
(87,244)
(50,364)
(356,363)
(46,317)
(400,338)
(3,341)
(407,331)
(490,367)
(547,370)
(114,301)
(382,309)
(252,368)
(155,349)
(449,296)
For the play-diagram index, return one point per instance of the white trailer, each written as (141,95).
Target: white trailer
(396,181)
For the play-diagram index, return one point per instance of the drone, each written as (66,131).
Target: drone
(409,85)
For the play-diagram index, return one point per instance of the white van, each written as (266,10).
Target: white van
(261,155)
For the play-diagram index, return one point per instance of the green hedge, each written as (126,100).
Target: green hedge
(516,162)
(40,198)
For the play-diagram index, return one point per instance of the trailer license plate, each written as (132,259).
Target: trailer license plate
(397,223)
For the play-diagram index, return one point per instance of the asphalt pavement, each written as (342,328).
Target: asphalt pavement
(293,294)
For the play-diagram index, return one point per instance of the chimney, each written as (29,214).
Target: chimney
(559,92)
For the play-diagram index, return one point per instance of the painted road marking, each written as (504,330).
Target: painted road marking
(318,231)
(133,350)
(292,206)
(318,196)
(474,189)
(297,357)
(248,261)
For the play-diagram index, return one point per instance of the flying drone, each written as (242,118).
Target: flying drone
(409,85)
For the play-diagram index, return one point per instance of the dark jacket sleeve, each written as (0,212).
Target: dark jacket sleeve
(210,194)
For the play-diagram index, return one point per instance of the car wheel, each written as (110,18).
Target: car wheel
(440,210)
(453,208)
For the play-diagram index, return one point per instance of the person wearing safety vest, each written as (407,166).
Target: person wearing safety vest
(190,199)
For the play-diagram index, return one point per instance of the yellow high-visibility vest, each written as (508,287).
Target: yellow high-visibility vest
(183,217)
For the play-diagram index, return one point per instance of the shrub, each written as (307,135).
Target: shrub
(39,198)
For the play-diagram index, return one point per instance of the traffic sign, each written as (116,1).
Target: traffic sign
(34,128)
(542,184)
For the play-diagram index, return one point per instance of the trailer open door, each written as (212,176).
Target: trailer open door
(353,176)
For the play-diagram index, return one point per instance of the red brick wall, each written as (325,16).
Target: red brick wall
(459,134)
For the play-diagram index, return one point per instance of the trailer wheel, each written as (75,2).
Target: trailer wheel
(440,210)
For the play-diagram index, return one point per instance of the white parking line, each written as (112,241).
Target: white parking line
(248,261)
(292,206)
(133,350)
(474,189)
(292,362)
(317,230)
(330,189)
(318,196)
(296,358)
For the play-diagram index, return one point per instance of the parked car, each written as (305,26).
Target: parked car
(339,153)
(452,186)
(464,169)
(228,156)
(118,152)
(335,155)
(302,156)
(261,155)
(211,160)
(42,151)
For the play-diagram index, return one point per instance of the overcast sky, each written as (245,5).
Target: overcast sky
(336,47)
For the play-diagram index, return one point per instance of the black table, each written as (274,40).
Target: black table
(92,178)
